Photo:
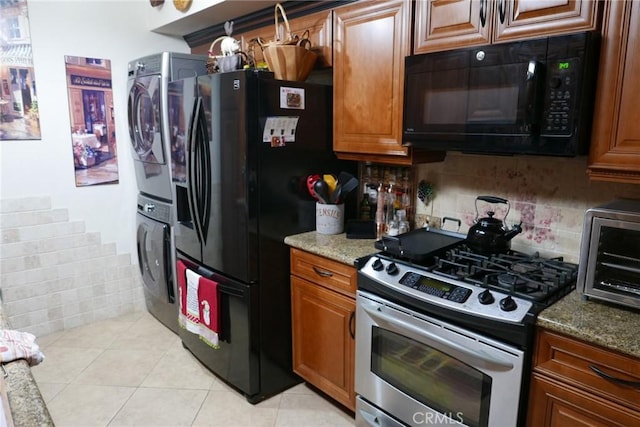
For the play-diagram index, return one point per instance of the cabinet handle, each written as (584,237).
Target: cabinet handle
(501,11)
(352,327)
(483,12)
(634,384)
(323,273)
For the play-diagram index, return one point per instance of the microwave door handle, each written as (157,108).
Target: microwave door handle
(400,325)
(534,69)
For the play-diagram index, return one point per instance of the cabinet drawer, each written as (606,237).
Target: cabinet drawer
(325,272)
(553,403)
(573,362)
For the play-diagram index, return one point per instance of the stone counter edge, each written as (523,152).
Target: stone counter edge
(28,407)
(333,246)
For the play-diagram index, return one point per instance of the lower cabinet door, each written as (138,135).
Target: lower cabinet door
(323,339)
(553,403)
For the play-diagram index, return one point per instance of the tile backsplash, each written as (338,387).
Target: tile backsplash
(549,195)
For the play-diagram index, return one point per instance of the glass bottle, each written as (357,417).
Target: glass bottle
(365,207)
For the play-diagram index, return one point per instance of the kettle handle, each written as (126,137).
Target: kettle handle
(492,199)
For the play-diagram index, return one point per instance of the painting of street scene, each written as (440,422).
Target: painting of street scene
(19,117)
(93,134)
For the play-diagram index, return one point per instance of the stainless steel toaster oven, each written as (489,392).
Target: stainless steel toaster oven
(610,253)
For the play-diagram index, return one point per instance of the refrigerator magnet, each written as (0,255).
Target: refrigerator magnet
(278,131)
(292,98)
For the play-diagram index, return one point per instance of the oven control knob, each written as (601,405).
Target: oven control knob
(392,269)
(508,304)
(486,297)
(377,265)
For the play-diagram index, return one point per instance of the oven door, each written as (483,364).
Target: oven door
(421,370)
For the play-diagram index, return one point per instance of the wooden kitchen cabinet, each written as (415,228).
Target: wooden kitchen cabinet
(445,24)
(370,42)
(615,142)
(323,321)
(565,390)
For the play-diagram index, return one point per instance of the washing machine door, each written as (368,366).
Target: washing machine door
(145,125)
(154,257)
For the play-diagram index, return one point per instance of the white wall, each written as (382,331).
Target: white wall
(114,30)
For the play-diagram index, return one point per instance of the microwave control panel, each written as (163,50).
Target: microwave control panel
(560,97)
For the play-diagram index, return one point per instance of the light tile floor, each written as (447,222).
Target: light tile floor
(133,371)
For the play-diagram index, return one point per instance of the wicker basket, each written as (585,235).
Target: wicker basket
(290,57)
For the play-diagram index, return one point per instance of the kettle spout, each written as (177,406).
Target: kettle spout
(516,229)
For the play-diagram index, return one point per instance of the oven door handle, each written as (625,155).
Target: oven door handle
(400,325)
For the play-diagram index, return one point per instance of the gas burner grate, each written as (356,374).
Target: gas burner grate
(529,276)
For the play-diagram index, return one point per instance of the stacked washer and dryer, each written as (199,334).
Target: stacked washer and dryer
(148,117)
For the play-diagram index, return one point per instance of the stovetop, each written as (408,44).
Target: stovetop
(507,286)
(528,276)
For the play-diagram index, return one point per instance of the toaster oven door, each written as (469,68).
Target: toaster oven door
(613,262)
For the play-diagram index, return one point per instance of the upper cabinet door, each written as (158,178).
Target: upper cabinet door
(450,24)
(446,24)
(371,40)
(615,143)
(520,19)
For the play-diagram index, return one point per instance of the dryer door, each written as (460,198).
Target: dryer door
(154,257)
(145,126)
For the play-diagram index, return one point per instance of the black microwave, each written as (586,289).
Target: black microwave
(528,97)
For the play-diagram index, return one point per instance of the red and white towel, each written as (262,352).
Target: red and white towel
(199,309)
(19,345)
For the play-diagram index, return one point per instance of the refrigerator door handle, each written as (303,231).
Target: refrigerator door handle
(191,171)
(203,170)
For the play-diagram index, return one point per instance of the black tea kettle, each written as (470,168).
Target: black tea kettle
(489,235)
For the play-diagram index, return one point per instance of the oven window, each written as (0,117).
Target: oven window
(618,265)
(432,377)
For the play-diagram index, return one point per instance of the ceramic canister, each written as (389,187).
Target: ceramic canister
(329,218)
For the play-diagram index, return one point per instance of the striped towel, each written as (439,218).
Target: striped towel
(19,345)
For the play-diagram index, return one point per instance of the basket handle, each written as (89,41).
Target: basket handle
(304,41)
(286,22)
(211,53)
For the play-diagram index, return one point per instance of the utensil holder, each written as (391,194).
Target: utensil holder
(329,218)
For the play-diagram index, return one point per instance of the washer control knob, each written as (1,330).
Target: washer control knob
(392,269)
(140,66)
(377,265)
(508,304)
(149,207)
(486,297)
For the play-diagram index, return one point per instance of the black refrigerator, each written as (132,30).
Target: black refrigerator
(242,146)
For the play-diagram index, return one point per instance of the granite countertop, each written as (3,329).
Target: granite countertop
(27,405)
(333,246)
(601,323)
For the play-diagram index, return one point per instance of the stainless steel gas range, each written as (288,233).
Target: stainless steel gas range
(444,335)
